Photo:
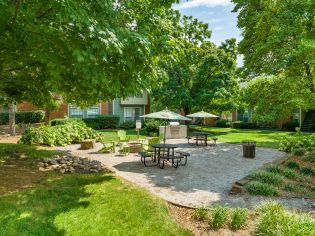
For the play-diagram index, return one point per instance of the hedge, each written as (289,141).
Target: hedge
(128,125)
(99,122)
(223,123)
(23,117)
(243,125)
(290,126)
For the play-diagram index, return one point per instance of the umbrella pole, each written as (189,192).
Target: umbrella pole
(164,132)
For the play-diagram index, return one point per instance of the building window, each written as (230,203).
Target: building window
(132,113)
(90,112)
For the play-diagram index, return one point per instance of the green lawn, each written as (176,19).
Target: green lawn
(111,135)
(264,138)
(82,204)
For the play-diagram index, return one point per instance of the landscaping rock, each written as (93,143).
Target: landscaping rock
(237,188)
(70,164)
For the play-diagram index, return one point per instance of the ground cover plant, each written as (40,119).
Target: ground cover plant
(273,219)
(264,138)
(298,141)
(258,188)
(219,216)
(239,217)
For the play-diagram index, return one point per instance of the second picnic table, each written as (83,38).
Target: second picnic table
(202,137)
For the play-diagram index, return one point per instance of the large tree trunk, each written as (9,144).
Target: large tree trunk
(47,116)
(12,118)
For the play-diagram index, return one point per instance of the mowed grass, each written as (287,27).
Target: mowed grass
(111,135)
(81,204)
(264,138)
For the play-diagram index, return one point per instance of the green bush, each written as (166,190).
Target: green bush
(239,218)
(274,169)
(309,171)
(128,125)
(263,189)
(290,142)
(267,177)
(66,121)
(290,126)
(293,164)
(299,151)
(219,217)
(201,213)
(23,117)
(58,135)
(99,122)
(289,173)
(152,126)
(223,123)
(243,125)
(273,220)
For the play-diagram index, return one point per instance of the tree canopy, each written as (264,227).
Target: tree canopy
(85,51)
(274,98)
(278,37)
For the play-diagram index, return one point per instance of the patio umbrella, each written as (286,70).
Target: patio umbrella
(165,115)
(203,115)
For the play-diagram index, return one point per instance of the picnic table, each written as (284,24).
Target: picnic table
(201,137)
(165,152)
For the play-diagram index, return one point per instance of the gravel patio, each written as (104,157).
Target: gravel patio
(206,179)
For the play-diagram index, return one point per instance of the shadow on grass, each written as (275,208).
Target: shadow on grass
(32,212)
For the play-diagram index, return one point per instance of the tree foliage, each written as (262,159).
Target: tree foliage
(85,51)
(203,76)
(274,98)
(278,37)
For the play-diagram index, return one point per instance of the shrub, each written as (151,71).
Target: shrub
(99,122)
(290,126)
(298,151)
(223,123)
(263,189)
(290,142)
(267,177)
(23,117)
(152,126)
(289,173)
(293,164)
(239,218)
(201,213)
(274,169)
(128,125)
(293,188)
(309,171)
(66,121)
(219,216)
(243,125)
(274,220)
(58,135)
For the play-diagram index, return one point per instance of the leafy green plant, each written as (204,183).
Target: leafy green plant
(128,125)
(223,123)
(201,213)
(58,135)
(263,189)
(23,117)
(291,142)
(273,220)
(152,126)
(299,151)
(239,218)
(289,173)
(267,177)
(294,188)
(309,171)
(274,169)
(219,217)
(293,164)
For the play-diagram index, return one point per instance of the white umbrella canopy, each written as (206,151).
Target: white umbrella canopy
(202,114)
(165,115)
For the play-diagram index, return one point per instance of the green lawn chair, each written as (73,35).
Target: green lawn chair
(108,147)
(124,149)
(122,136)
(146,147)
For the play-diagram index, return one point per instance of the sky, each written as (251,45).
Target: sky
(217,13)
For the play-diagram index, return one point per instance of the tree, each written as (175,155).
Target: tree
(278,97)
(84,51)
(278,37)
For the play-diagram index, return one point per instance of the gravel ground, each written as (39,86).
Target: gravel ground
(206,179)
